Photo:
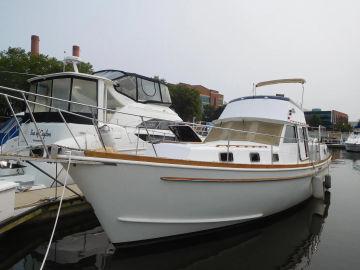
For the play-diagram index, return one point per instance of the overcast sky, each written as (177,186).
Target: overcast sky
(223,45)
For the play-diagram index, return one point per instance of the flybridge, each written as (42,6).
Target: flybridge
(266,107)
(111,89)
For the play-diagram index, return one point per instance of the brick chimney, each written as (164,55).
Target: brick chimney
(35,41)
(76,51)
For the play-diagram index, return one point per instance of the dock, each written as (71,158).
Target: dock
(336,145)
(41,205)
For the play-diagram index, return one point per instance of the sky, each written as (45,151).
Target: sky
(224,45)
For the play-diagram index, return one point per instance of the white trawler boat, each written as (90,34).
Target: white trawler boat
(71,109)
(352,143)
(256,161)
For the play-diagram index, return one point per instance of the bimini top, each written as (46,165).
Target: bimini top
(272,82)
(266,97)
(137,87)
(265,108)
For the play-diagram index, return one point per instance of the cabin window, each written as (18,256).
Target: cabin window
(226,157)
(127,86)
(253,131)
(254,157)
(290,134)
(275,157)
(305,139)
(83,91)
(43,88)
(32,97)
(61,89)
(165,93)
(148,90)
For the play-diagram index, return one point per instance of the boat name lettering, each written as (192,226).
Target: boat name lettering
(44,133)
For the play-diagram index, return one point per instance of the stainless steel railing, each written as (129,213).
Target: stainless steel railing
(143,118)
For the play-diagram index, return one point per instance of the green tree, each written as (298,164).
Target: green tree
(343,127)
(210,113)
(17,66)
(315,121)
(186,102)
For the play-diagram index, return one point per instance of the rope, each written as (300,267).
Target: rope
(57,215)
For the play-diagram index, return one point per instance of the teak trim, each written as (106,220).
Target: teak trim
(229,180)
(109,155)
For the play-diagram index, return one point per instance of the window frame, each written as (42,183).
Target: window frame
(71,90)
(36,97)
(295,139)
(52,87)
(137,77)
(72,77)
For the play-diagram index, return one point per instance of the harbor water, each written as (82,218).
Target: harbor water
(313,235)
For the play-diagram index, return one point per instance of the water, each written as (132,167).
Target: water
(312,236)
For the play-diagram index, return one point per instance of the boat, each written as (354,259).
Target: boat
(352,144)
(71,109)
(256,161)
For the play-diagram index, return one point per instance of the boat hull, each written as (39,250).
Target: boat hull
(137,201)
(352,147)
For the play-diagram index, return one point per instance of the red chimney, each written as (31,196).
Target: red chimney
(76,51)
(35,40)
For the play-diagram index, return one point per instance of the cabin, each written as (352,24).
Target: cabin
(253,130)
(127,103)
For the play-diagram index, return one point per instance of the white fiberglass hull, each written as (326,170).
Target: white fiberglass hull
(137,201)
(353,147)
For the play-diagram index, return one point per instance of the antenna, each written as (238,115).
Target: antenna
(64,64)
(74,60)
(302,95)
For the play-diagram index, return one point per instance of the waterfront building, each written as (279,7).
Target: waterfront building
(327,119)
(207,96)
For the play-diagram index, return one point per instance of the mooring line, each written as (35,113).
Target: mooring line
(57,215)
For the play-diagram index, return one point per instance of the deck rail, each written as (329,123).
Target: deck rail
(315,144)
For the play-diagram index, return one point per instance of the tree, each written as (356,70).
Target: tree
(315,121)
(186,102)
(17,66)
(343,127)
(210,113)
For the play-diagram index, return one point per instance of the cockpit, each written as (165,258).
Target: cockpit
(137,87)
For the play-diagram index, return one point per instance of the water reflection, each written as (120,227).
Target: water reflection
(287,241)
(339,156)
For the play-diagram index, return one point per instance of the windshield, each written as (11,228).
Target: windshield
(79,90)
(142,90)
(137,87)
(266,129)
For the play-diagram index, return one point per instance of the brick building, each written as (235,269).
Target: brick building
(208,96)
(328,118)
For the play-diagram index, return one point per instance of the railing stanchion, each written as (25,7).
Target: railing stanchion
(137,140)
(142,121)
(66,124)
(17,121)
(36,126)
(228,148)
(97,129)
